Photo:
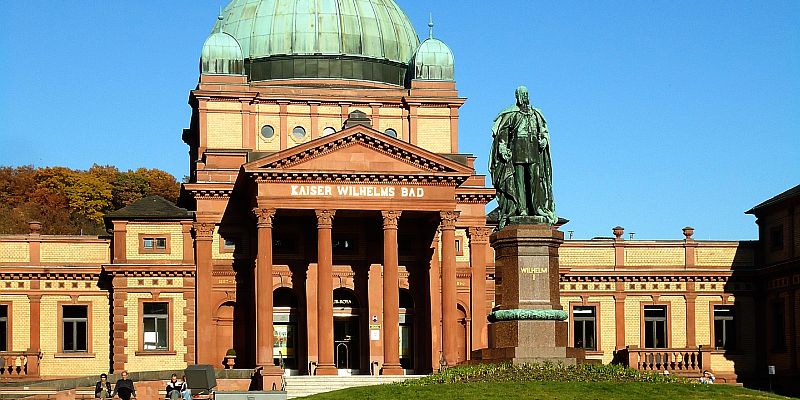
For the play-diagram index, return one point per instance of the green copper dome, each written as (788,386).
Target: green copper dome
(375,31)
(434,61)
(221,55)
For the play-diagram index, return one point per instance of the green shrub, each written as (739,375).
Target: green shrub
(546,372)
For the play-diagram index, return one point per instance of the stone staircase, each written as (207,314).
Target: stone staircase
(302,386)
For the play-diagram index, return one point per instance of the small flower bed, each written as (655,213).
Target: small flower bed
(545,372)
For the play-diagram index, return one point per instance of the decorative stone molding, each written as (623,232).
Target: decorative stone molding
(325,218)
(479,234)
(474,198)
(204,230)
(390,219)
(264,216)
(449,219)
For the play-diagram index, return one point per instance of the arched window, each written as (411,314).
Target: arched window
(391,132)
(328,131)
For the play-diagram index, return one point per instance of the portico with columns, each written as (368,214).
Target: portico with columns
(369,232)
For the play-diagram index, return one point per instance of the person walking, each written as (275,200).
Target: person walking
(124,388)
(102,389)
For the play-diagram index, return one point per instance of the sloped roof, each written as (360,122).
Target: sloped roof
(152,207)
(791,193)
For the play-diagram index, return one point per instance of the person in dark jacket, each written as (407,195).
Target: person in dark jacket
(174,388)
(102,389)
(124,388)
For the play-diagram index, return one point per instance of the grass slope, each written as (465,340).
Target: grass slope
(548,390)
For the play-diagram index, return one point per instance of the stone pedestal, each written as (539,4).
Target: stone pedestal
(529,322)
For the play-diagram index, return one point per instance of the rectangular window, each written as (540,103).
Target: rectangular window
(230,244)
(459,249)
(75,330)
(584,329)
(155,321)
(4,339)
(153,244)
(724,328)
(655,327)
(778,326)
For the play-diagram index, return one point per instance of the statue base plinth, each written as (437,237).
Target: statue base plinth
(523,342)
(526,262)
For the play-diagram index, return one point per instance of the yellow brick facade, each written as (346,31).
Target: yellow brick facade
(14,252)
(676,321)
(177,335)
(78,253)
(723,256)
(633,319)
(293,122)
(174,231)
(583,256)
(224,105)
(433,112)
(703,319)
(393,123)
(607,329)
(20,316)
(216,245)
(434,135)
(54,365)
(329,110)
(298,109)
(663,256)
(224,131)
(273,143)
(461,234)
(325,122)
(391,112)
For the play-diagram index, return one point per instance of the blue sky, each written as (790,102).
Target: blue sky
(662,113)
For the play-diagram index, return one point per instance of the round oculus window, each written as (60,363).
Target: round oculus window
(267,132)
(299,132)
(328,131)
(391,132)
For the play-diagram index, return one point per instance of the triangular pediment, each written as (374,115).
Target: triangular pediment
(358,150)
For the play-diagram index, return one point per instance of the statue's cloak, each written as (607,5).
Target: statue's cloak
(501,167)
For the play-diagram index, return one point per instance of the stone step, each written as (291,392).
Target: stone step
(303,386)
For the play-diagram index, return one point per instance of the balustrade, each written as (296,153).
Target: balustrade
(691,361)
(19,365)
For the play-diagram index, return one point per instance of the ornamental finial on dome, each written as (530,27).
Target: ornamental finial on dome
(430,27)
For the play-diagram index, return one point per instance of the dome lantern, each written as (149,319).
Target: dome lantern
(433,60)
(221,55)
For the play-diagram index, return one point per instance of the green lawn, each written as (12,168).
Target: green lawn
(548,390)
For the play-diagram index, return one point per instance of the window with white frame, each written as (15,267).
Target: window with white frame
(155,323)
(584,319)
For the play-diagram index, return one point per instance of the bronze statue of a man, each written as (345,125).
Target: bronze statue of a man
(519,163)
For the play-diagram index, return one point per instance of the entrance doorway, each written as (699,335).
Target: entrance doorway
(407,331)
(346,332)
(284,318)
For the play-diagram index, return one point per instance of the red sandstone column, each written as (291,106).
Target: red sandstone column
(391,296)
(264,328)
(206,345)
(449,290)
(35,323)
(325,293)
(478,239)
